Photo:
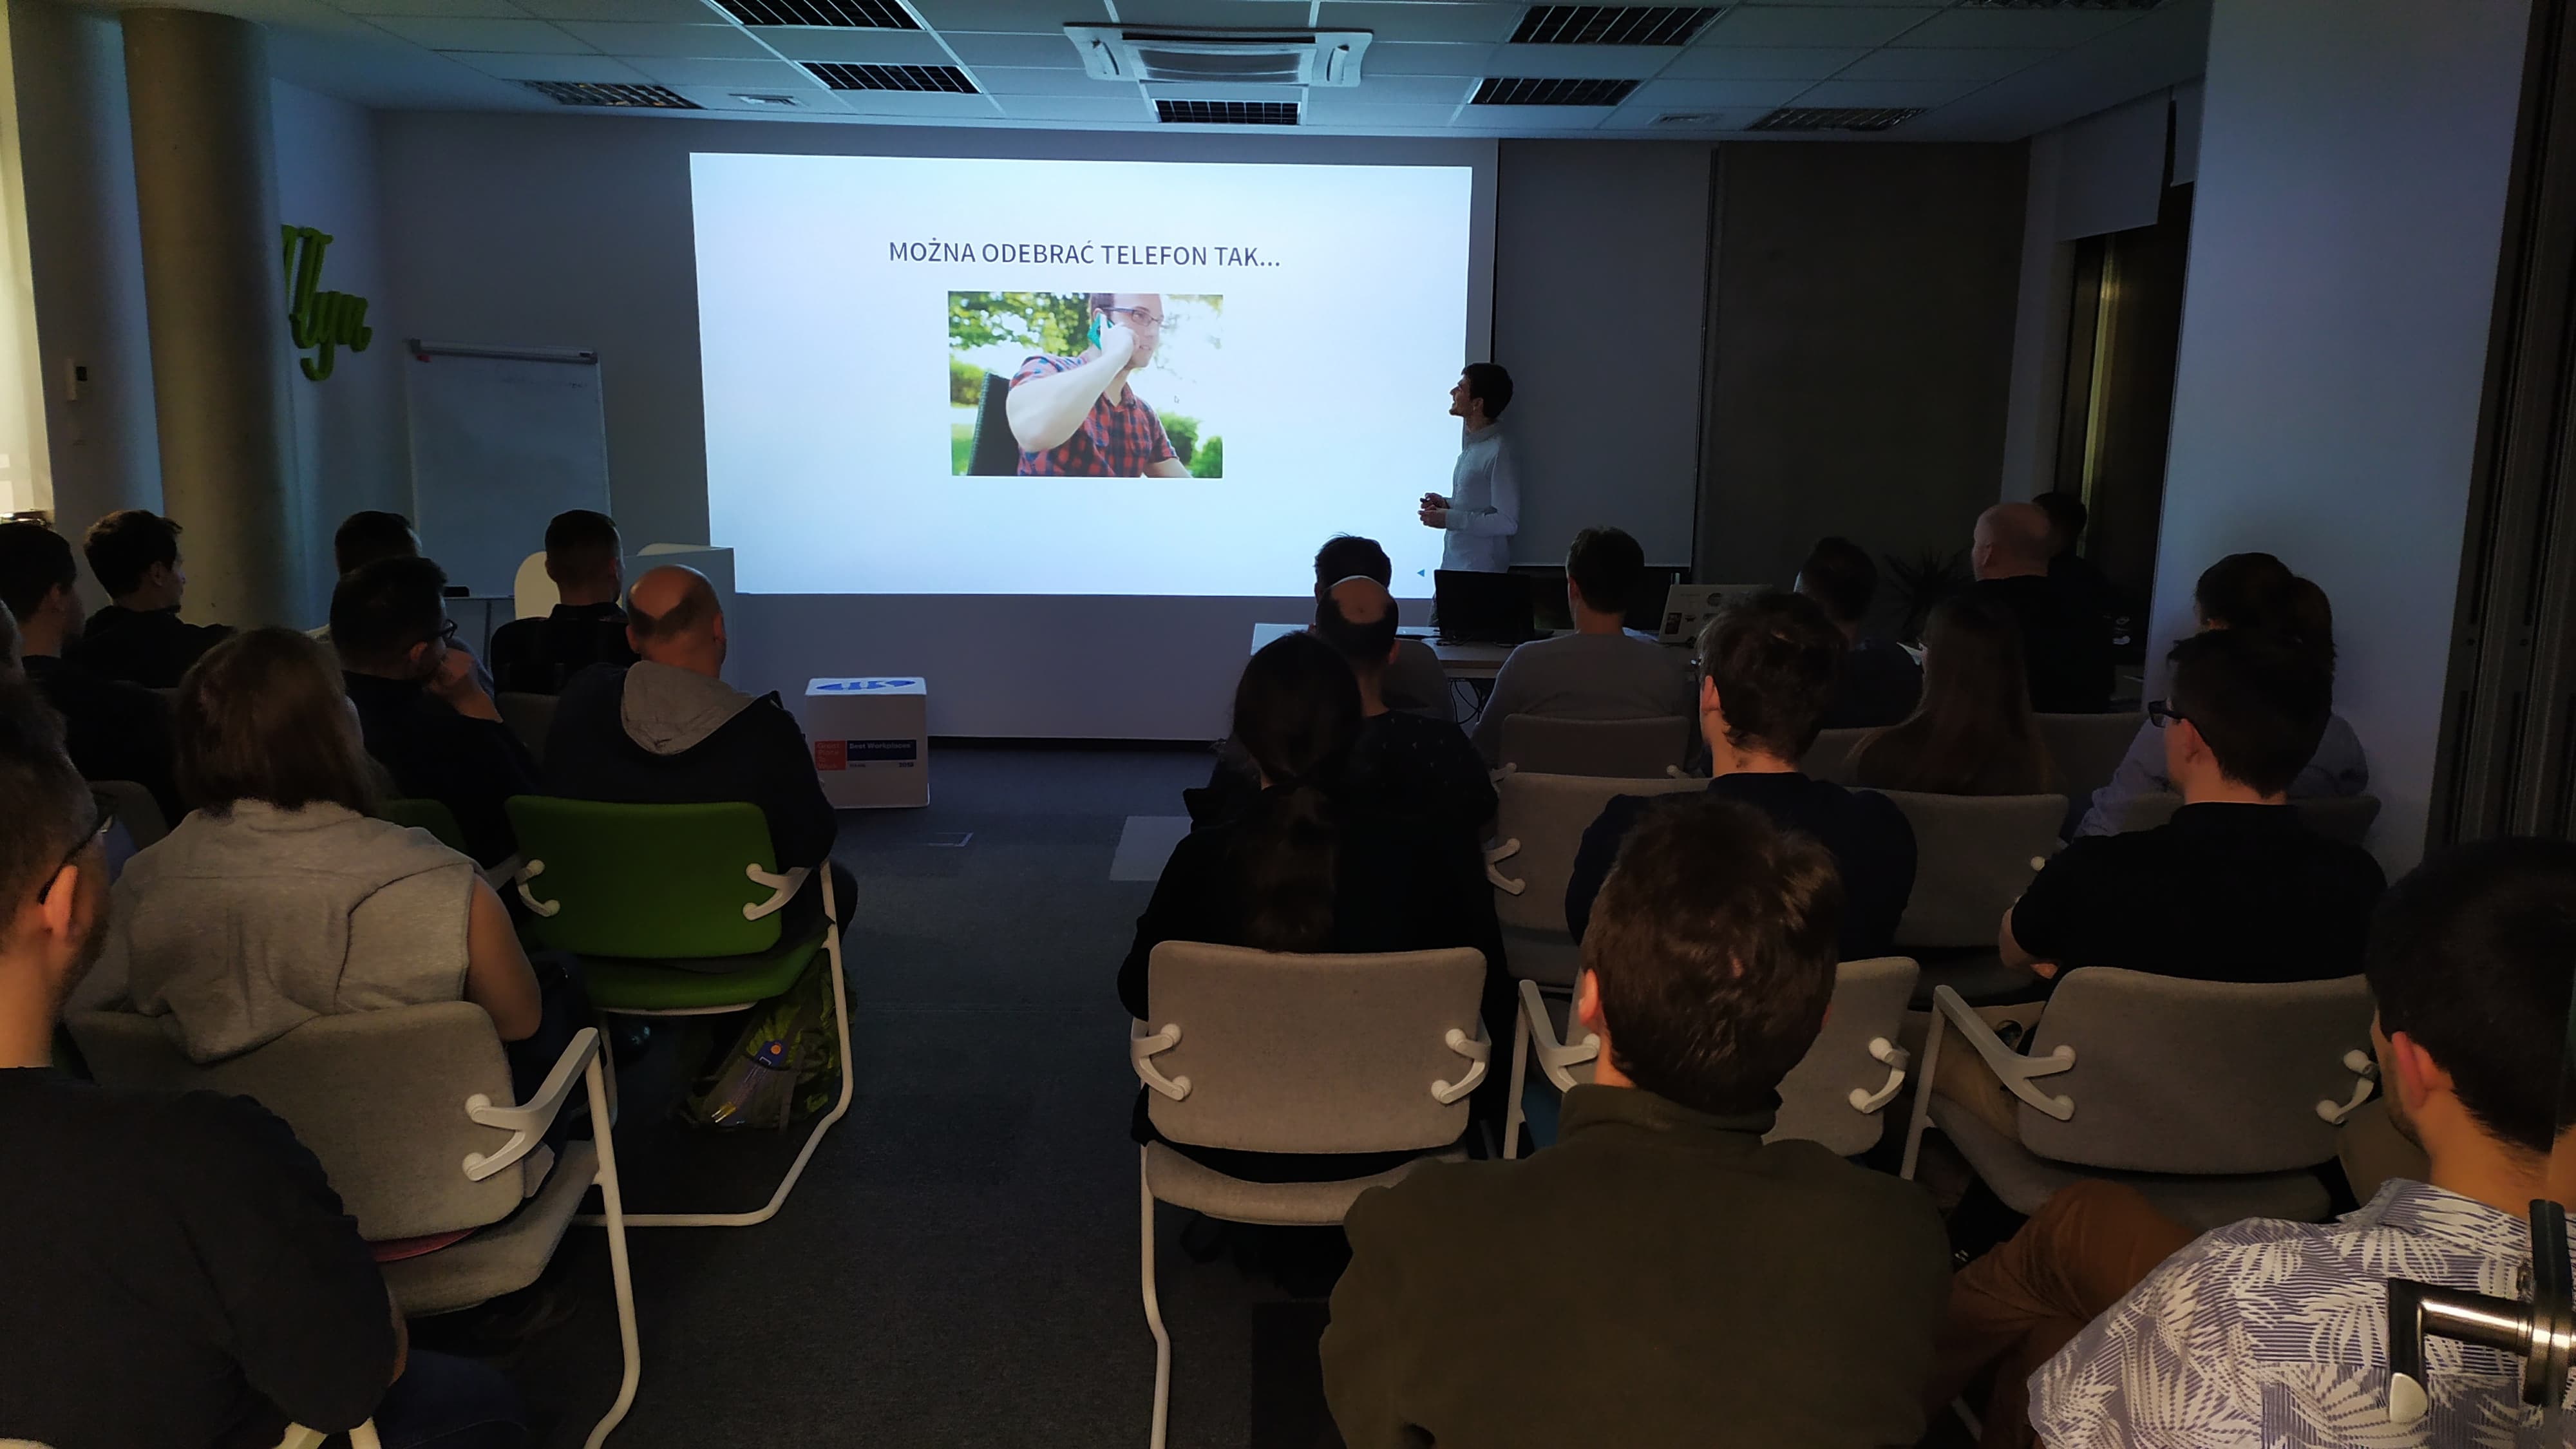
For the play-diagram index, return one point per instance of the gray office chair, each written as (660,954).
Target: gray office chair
(1417,684)
(1539,820)
(995,453)
(1829,758)
(1256,1052)
(1635,749)
(2214,1099)
(530,716)
(2346,818)
(1973,857)
(2086,749)
(135,806)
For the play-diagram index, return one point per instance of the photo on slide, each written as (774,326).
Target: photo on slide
(1002,341)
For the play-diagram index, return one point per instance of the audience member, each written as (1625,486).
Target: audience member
(1879,682)
(2065,648)
(667,730)
(2091,590)
(138,637)
(586,627)
(179,1270)
(1294,869)
(1674,1277)
(1600,671)
(1767,667)
(1401,763)
(1973,733)
(115,731)
(1415,682)
(425,718)
(2252,591)
(368,535)
(2277,1332)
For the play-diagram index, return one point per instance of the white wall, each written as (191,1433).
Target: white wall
(2353,163)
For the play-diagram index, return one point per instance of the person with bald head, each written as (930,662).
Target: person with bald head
(1401,762)
(668,730)
(2066,649)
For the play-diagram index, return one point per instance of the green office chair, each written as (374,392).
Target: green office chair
(674,912)
(430,815)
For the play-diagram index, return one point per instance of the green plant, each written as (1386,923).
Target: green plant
(961,447)
(1052,322)
(1210,463)
(965,383)
(1922,583)
(1184,433)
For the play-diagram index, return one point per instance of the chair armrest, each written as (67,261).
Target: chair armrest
(2366,1071)
(1555,1058)
(782,889)
(2010,1067)
(528,871)
(527,1123)
(1508,768)
(499,877)
(1144,1046)
(1891,1056)
(1479,1054)
(1496,855)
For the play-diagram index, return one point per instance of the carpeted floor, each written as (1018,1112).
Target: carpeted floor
(959,1265)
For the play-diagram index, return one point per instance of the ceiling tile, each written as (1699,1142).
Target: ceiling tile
(1363,113)
(1760,62)
(665,12)
(2054,29)
(1075,108)
(530,37)
(1214,12)
(981,47)
(1586,62)
(1031,15)
(1466,24)
(1634,117)
(1702,95)
(1532,120)
(447,9)
(860,47)
(1408,89)
(683,42)
(756,75)
(1899,62)
(596,68)
(1016,80)
(1863,25)
(1924,93)
(1416,58)
(921,105)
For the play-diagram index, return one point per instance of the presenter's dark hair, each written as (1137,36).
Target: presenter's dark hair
(264,716)
(380,610)
(1607,566)
(1296,711)
(34,561)
(1364,646)
(1489,384)
(1347,555)
(124,545)
(2260,701)
(1773,658)
(1839,576)
(371,534)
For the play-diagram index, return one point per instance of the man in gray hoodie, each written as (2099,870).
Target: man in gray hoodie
(667,730)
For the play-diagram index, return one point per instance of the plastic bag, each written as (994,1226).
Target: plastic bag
(785,1065)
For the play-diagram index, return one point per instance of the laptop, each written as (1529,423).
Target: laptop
(1689,607)
(1480,608)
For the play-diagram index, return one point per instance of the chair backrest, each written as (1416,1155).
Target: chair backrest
(1312,1053)
(2336,817)
(1543,818)
(993,452)
(2086,748)
(649,881)
(1639,749)
(136,807)
(378,1096)
(1829,758)
(529,716)
(2204,1077)
(1973,857)
(533,594)
(1816,1097)
(430,815)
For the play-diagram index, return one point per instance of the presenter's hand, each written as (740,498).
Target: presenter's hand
(1434,517)
(1435,500)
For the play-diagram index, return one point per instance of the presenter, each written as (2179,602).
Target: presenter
(1483,507)
(1074,417)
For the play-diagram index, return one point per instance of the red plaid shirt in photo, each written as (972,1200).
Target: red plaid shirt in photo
(1117,439)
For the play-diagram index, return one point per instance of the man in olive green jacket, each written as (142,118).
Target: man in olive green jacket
(1672,1279)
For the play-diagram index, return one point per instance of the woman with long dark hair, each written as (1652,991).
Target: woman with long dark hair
(1972,732)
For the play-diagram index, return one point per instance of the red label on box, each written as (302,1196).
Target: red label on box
(831,755)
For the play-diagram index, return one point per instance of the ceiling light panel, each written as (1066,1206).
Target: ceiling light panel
(1835,118)
(892,77)
(1535,91)
(840,14)
(1226,113)
(1611,24)
(614,97)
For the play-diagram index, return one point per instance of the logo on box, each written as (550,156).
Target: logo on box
(862,686)
(831,755)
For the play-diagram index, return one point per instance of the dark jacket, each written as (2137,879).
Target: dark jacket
(2065,644)
(472,766)
(539,656)
(152,648)
(652,734)
(1878,684)
(1672,1281)
(112,730)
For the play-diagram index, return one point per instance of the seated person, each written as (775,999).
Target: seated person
(2258,592)
(368,535)
(424,717)
(179,1270)
(2277,1332)
(1674,1278)
(280,899)
(586,627)
(1294,869)
(1767,668)
(1416,681)
(115,731)
(2065,645)
(1600,671)
(138,637)
(1972,734)
(2078,576)
(667,730)
(1879,682)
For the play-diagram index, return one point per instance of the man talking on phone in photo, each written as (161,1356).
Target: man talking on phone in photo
(1482,509)
(1074,417)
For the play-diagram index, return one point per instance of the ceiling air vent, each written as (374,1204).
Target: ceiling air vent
(1836,118)
(842,77)
(1194,56)
(605,93)
(833,14)
(1524,91)
(1611,24)
(1227,113)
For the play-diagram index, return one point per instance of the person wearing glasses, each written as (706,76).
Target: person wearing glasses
(1075,417)
(423,715)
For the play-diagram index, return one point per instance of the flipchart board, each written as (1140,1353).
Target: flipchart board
(502,439)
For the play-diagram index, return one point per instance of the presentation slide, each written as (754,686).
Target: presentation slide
(942,376)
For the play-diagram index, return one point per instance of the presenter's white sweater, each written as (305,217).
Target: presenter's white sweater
(1484,504)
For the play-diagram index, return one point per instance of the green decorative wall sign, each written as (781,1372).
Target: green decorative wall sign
(317,319)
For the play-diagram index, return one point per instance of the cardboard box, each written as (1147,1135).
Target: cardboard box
(871,740)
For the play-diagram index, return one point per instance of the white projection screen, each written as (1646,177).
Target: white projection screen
(900,372)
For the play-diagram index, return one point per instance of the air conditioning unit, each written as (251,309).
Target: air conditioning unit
(1190,55)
